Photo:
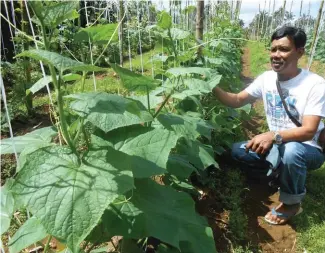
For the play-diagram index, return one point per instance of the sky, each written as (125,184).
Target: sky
(249,8)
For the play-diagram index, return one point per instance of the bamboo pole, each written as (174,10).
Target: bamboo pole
(199,24)
(283,11)
(319,17)
(120,30)
(300,25)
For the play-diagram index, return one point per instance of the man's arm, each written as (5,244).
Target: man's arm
(263,142)
(232,99)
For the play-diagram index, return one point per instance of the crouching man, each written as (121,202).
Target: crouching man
(294,136)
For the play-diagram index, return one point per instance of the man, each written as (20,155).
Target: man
(298,148)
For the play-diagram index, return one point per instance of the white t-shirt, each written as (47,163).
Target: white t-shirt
(304,95)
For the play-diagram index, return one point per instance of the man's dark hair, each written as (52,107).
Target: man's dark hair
(296,34)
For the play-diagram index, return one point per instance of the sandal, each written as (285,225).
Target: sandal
(282,215)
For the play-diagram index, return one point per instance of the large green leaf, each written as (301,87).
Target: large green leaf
(177,34)
(182,71)
(97,34)
(108,111)
(161,212)
(60,62)
(149,148)
(30,232)
(39,138)
(7,204)
(68,198)
(132,80)
(190,127)
(52,15)
(164,20)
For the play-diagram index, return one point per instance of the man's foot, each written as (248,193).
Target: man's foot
(282,213)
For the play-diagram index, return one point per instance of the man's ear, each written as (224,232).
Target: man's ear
(301,51)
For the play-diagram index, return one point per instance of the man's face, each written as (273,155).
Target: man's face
(284,55)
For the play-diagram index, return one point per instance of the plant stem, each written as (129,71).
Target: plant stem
(83,79)
(47,246)
(148,99)
(78,132)
(162,105)
(64,128)
(173,46)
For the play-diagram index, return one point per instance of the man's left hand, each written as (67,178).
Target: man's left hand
(261,143)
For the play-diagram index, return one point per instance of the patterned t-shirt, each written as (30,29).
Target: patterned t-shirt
(304,95)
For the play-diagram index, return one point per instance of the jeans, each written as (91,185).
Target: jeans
(296,158)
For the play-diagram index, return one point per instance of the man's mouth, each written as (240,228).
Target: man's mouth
(277,64)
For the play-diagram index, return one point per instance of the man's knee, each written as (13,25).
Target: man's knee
(237,151)
(293,153)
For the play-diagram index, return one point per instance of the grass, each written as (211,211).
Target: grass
(259,58)
(310,225)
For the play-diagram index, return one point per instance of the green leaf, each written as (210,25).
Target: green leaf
(180,166)
(41,83)
(199,155)
(39,138)
(108,111)
(149,148)
(71,77)
(30,232)
(99,34)
(177,34)
(186,93)
(246,108)
(164,20)
(161,212)
(68,198)
(153,100)
(182,71)
(214,81)
(214,61)
(186,126)
(197,85)
(7,204)
(60,62)
(132,80)
(54,14)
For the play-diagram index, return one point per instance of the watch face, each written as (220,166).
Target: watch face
(278,139)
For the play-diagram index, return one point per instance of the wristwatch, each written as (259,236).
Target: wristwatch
(277,138)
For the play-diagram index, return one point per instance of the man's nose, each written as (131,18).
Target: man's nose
(276,54)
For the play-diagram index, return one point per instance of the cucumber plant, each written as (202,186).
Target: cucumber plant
(89,194)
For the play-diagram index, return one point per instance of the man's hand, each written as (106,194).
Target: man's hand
(261,143)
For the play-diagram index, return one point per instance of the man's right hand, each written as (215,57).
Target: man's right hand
(232,99)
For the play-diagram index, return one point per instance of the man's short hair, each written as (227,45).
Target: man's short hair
(296,34)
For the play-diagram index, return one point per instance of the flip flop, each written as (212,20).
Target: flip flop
(281,215)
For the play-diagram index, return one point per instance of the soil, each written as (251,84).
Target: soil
(257,202)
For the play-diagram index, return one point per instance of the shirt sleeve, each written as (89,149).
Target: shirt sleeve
(316,101)
(255,88)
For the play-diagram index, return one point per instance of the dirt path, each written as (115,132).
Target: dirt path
(260,198)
